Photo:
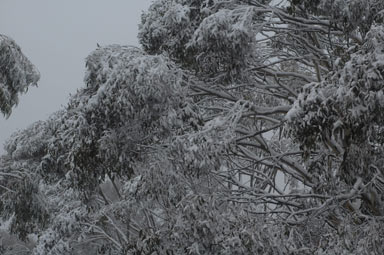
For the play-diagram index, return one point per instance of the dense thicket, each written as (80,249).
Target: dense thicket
(241,127)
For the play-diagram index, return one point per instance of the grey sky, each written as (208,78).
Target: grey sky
(57,36)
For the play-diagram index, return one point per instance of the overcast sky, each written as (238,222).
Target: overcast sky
(56,36)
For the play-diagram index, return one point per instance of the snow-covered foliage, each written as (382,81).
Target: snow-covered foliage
(33,141)
(241,127)
(21,202)
(209,36)
(166,18)
(129,101)
(348,15)
(16,74)
(224,41)
(347,107)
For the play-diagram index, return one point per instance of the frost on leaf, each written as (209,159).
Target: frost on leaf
(17,73)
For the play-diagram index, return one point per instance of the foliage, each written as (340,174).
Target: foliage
(127,98)
(16,74)
(242,127)
(208,36)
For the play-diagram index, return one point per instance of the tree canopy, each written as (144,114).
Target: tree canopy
(17,73)
(239,127)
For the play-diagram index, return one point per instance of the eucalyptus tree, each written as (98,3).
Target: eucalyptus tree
(17,73)
(241,127)
(307,70)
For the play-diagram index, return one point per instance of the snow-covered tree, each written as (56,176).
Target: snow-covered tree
(241,127)
(297,46)
(128,103)
(17,73)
